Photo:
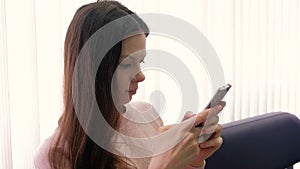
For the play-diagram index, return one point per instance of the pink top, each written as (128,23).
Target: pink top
(141,121)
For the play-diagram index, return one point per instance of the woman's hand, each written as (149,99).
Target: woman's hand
(215,141)
(186,151)
(189,151)
(179,156)
(209,147)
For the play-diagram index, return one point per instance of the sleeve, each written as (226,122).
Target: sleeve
(41,154)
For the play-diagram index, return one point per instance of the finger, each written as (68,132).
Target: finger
(165,128)
(211,112)
(209,133)
(212,120)
(209,129)
(188,115)
(222,103)
(196,131)
(217,132)
(203,138)
(216,110)
(201,117)
(215,143)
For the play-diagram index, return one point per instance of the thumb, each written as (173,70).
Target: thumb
(188,115)
(201,117)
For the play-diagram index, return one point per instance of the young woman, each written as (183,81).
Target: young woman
(116,80)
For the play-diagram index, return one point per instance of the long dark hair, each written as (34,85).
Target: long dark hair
(72,147)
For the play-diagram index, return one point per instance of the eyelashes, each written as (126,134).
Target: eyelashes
(128,65)
(123,65)
(142,61)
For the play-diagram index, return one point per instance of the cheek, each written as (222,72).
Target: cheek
(122,79)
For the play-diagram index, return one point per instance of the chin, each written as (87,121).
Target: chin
(126,100)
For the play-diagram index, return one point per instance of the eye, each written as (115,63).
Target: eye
(142,61)
(125,65)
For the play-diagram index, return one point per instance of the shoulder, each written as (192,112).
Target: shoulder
(41,155)
(143,112)
(142,106)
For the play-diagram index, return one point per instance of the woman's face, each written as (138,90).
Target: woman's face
(128,73)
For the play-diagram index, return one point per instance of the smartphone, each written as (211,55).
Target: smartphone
(215,100)
(218,96)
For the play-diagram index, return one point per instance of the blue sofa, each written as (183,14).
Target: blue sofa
(270,141)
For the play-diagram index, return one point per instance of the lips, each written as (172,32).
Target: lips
(132,91)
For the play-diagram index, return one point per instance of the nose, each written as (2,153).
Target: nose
(139,77)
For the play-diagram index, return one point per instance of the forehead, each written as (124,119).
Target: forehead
(133,44)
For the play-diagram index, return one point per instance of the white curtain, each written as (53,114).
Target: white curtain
(257,42)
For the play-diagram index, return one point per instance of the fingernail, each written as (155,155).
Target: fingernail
(201,139)
(220,107)
(207,130)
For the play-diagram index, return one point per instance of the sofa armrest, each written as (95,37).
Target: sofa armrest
(269,141)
